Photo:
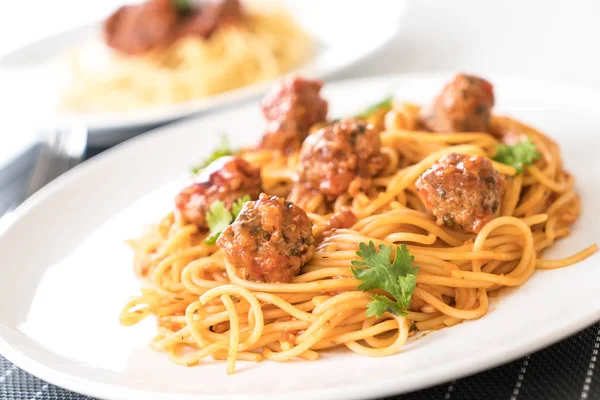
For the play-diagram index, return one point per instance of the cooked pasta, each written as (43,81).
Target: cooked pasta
(208,303)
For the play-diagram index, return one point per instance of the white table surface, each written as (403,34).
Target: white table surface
(556,40)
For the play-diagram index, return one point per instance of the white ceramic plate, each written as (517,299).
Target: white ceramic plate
(66,272)
(341,35)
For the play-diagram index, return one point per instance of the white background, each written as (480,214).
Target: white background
(556,40)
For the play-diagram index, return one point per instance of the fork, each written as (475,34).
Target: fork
(61,150)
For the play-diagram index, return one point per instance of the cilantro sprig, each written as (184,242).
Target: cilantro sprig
(385,103)
(398,278)
(219,217)
(517,155)
(222,150)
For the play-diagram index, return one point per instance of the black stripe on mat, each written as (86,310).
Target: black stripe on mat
(559,371)
(555,373)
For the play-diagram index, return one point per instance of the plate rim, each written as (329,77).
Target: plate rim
(499,355)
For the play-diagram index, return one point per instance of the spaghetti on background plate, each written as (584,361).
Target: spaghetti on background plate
(354,233)
(170,51)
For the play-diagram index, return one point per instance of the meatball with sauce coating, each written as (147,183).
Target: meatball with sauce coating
(334,156)
(291,108)
(464,105)
(282,135)
(135,29)
(226,179)
(462,191)
(269,241)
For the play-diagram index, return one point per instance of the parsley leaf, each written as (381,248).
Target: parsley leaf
(382,304)
(385,103)
(236,208)
(517,155)
(219,217)
(222,150)
(398,278)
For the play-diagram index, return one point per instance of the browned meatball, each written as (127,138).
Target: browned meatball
(139,28)
(334,156)
(464,105)
(270,240)
(227,179)
(462,191)
(291,108)
(282,135)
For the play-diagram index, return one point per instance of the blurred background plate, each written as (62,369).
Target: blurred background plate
(31,77)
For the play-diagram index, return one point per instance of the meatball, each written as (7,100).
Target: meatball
(270,240)
(138,28)
(282,135)
(226,179)
(203,21)
(462,191)
(464,105)
(334,156)
(291,108)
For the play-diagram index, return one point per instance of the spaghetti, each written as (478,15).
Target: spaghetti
(205,309)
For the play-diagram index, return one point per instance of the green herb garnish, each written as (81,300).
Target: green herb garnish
(398,278)
(183,6)
(385,103)
(219,217)
(236,207)
(224,149)
(517,155)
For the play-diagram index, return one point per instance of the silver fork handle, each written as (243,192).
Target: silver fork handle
(61,150)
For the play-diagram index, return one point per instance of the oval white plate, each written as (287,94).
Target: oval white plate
(66,271)
(339,30)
